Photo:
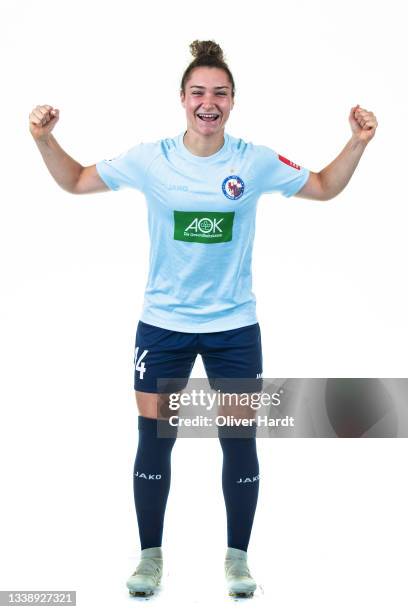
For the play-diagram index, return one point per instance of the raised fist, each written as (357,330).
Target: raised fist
(42,120)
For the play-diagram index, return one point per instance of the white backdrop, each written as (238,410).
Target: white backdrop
(330,530)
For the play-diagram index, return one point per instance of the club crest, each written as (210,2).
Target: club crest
(233,187)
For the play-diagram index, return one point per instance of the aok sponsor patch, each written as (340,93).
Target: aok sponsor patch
(208,227)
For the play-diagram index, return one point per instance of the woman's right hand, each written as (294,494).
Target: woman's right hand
(42,121)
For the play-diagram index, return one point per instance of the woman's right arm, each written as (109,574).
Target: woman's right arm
(67,172)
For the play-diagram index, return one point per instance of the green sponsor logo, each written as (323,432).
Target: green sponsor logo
(206,227)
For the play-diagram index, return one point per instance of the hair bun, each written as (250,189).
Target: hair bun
(205,48)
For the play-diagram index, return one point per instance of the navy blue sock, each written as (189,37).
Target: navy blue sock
(151,480)
(240,482)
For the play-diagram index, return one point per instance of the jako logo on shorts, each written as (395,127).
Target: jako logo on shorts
(233,187)
(208,227)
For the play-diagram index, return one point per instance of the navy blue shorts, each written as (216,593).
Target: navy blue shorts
(166,355)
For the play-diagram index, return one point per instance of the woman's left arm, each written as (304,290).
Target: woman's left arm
(330,181)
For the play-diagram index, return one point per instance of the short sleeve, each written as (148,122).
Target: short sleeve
(128,169)
(274,172)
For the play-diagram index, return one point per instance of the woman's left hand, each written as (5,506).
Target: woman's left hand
(363,124)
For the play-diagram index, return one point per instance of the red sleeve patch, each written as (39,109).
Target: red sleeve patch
(288,162)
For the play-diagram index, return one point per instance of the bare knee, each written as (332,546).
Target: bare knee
(153,405)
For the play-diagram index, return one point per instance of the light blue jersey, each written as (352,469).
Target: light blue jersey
(201,213)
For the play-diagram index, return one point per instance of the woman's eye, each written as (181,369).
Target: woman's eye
(198,93)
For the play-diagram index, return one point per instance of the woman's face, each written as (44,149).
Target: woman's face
(208,91)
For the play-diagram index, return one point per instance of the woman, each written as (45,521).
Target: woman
(202,189)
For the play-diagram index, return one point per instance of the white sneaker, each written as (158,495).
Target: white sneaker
(145,580)
(239,580)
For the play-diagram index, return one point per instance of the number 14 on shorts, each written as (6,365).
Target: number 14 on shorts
(139,364)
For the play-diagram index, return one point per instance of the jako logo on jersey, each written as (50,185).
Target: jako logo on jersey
(178,187)
(233,187)
(288,162)
(209,227)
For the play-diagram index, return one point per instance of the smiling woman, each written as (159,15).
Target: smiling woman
(202,189)
(207,93)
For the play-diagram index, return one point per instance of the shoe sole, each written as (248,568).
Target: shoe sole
(242,593)
(141,593)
